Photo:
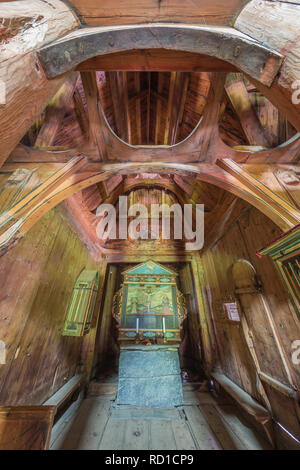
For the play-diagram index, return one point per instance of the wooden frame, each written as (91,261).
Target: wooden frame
(82,303)
(285,252)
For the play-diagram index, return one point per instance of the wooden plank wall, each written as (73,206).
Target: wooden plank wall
(241,241)
(36,281)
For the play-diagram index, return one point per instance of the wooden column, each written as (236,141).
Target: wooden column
(207,332)
(89,345)
(106,318)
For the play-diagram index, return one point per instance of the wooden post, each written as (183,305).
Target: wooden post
(89,341)
(207,333)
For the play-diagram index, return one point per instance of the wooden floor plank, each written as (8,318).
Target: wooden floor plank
(162,436)
(113,436)
(250,438)
(63,425)
(227,438)
(99,424)
(136,435)
(88,427)
(95,426)
(204,436)
(182,435)
(128,412)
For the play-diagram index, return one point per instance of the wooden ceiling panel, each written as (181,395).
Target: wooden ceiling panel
(113,12)
(163,107)
(156,60)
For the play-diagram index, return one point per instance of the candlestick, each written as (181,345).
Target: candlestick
(164,325)
(137,326)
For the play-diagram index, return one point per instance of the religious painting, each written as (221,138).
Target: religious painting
(149,304)
(149,300)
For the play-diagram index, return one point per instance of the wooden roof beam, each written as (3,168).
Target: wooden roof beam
(181,87)
(118,100)
(277,24)
(138,115)
(146,11)
(81,113)
(23,212)
(158,107)
(156,60)
(69,179)
(287,211)
(56,111)
(22,80)
(126,106)
(224,43)
(169,108)
(240,100)
(89,81)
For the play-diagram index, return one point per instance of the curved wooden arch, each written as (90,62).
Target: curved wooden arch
(243,275)
(225,43)
(204,143)
(16,227)
(125,187)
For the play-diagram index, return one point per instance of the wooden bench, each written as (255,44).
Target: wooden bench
(65,393)
(26,427)
(248,404)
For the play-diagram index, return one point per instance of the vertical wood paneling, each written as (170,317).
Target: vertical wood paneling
(272,331)
(37,278)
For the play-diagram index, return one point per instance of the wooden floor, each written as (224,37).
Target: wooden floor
(204,423)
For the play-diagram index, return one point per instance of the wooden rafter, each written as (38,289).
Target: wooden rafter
(158,107)
(156,60)
(148,107)
(280,205)
(16,222)
(89,82)
(56,111)
(80,113)
(22,215)
(138,116)
(169,108)
(181,87)
(118,99)
(126,106)
(240,100)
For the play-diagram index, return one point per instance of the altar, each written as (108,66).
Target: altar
(149,310)
(149,306)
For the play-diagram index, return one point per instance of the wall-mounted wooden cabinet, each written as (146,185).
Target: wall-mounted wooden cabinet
(285,252)
(80,310)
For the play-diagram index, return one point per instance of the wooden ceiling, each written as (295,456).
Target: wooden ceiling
(161,108)
(103,12)
(156,109)
(163,97)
